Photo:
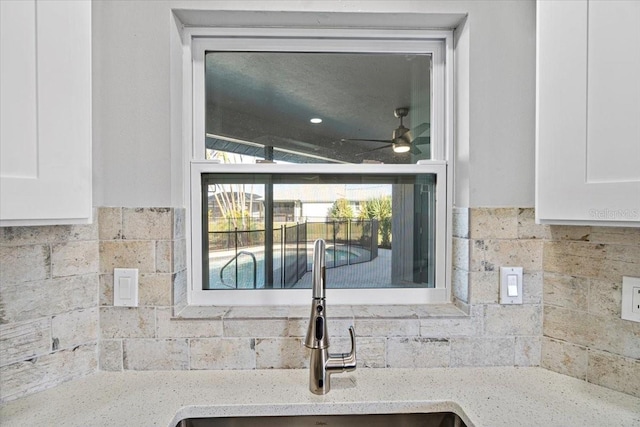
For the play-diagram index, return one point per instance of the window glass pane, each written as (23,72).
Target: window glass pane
(259,230)
(368,106)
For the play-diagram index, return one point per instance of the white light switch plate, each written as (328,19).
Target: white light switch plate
(510,285)
(125,287)
(631,299)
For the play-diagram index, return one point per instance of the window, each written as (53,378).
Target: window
(368,174)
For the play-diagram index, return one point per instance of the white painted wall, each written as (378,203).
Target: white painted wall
(316,211)
(134,159)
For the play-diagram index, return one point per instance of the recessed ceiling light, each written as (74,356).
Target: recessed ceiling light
(316,120)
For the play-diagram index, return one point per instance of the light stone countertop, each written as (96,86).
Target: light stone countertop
(481,396)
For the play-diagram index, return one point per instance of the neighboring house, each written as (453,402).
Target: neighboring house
(252,201)
(312,202)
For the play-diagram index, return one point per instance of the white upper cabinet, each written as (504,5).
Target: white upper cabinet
(45,112)
(588,112)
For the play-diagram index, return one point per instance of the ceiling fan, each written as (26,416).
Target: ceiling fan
(402,140)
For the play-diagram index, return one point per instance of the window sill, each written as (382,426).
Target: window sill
(194,312)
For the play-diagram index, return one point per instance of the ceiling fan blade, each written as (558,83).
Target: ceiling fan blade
(414,150)
(423,140)
(369,151)
(421,128)
(386,141)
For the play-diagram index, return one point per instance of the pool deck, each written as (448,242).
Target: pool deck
(371,274)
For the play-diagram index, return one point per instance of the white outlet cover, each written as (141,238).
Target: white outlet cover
(515,273)
(630,297)
(125,287)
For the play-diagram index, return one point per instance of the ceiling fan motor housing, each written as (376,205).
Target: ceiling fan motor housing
(402,133)
(401,112)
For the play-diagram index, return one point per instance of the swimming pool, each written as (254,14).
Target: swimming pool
(244,263)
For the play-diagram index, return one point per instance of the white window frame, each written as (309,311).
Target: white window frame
(437,43)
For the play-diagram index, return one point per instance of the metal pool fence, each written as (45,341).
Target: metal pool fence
(348,242)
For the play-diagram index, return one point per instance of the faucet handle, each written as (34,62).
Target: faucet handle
(349,359)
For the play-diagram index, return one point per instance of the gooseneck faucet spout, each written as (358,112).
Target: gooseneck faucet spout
(322,364)
(318,270)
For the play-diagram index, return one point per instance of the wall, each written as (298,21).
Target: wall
(136,161)
(572,280)
(131,104)
(57,287)
(151,240)
(584,335)
(578,269)
(151,337)
(49,293)
(48,306)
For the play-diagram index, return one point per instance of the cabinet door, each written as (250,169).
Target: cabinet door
(45,113)
(588,112)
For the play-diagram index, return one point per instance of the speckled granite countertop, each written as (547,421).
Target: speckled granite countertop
(481,396)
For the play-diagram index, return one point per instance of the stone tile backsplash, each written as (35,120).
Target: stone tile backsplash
(483,333)
(58,321)
(583,334)
(570,321)
(48,306)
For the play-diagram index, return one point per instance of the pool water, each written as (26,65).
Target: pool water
(333,256)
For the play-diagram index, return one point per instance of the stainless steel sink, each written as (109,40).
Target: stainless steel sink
(436,419)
